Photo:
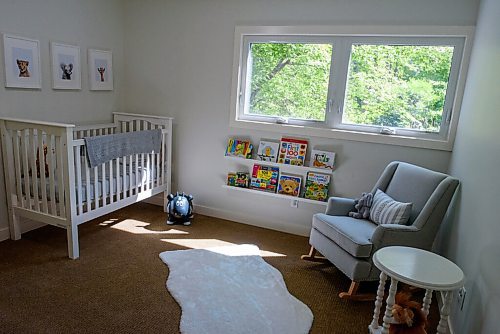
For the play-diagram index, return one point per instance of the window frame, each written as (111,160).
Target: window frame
(342,37)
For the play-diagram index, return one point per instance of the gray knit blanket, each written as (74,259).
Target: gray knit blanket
(101,149)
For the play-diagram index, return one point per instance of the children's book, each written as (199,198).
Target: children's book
(239,148)
(242,179)
(231,179)
(264,178)
(289,184)
(322,159)
(292,151)
(268,151)
(316,187)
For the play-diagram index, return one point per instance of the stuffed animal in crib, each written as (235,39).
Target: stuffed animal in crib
(362,206)
(407,316)
(180,209)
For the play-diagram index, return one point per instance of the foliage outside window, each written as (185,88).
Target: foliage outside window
(346,85)
(401,86)
(290,80)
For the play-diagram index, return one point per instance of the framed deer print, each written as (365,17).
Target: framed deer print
(66,73)
(100,69)
(22,62)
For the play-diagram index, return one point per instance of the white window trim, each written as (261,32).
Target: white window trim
(444,143)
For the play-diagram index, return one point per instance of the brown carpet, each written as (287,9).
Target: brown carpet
(118,284)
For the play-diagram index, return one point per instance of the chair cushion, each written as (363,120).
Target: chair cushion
(385,210)
(352,235)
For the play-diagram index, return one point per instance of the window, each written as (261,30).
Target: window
(349,86)
(288,80)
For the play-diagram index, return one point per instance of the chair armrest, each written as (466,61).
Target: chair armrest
(396,235)
(339,206)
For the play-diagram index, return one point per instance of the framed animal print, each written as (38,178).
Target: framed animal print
(66,72)
(22,62)
(100,69)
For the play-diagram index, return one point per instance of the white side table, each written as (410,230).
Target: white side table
(418,268)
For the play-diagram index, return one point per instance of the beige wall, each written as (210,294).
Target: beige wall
(471,237)
(179,62)
(88,24)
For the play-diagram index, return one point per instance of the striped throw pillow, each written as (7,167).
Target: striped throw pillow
(385,210)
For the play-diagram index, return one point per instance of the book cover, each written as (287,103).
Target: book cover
(239,148)
(242,179)
(322,159)
(268,151)
(292,151)
(231,179)
(264,178)
(289,184)
(316,186)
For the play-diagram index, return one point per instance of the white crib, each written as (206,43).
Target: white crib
(59,188)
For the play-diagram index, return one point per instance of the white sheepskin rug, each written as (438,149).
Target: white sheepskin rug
(231,289)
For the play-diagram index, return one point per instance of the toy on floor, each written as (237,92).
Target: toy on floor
(407,316)
(180,209)
(362,206)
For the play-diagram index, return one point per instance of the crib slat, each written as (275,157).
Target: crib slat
(34,177)
(96,188)
(43,180)
(52,184)
(87,183)
(17,163)
(78,171)
(131,175)
(118,180)
(111,182)
(24,149)
(124,177)
(148,171)
(103,184)
(60,176)
(140,174)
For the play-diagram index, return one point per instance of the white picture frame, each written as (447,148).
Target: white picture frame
(66,68)
(22,62)
(100,63)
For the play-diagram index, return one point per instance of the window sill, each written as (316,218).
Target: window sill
(301,130)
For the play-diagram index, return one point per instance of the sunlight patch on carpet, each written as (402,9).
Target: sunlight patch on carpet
(231,289)
(137,227)
(213,244)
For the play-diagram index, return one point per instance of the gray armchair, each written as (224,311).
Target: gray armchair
(349,243)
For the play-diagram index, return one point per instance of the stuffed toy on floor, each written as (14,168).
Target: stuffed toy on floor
(180,209)
(408,317)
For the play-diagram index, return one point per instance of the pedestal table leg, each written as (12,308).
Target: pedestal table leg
(378,302)
(389,304)
(427,302)
(445,312)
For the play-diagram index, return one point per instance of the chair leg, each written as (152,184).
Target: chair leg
(352,295)
(312,256)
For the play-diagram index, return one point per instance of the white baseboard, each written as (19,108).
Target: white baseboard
(281,226)
(4,233)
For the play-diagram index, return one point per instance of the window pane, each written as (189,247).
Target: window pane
(402,86)
(289,80)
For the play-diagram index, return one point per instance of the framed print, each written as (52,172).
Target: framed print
(66,73)
(22,62)
(100,70)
